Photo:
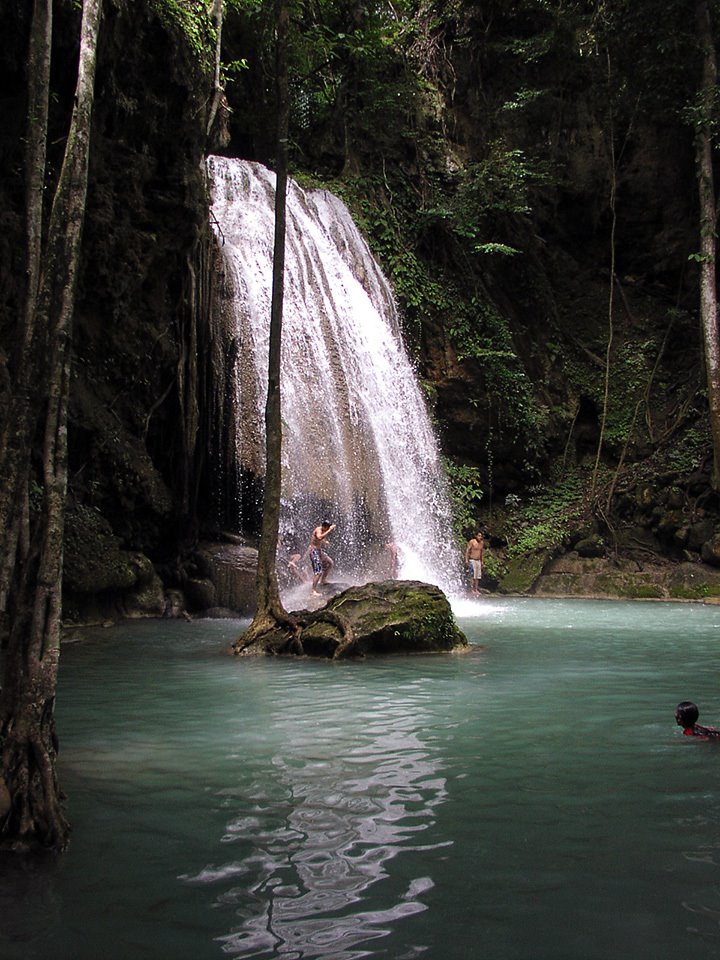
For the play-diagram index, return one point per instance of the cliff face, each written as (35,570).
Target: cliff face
(146,220)
(134,419)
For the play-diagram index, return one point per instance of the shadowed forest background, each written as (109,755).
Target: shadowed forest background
(525,174)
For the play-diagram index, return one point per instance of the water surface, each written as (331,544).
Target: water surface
(530,800)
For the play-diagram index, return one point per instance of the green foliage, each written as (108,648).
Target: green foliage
(387,220)
(349,70)
(192,19)
(543,523)
(244,6)
(703,111)
(631,369)
(466,493)
(530,49)
(231,70)
(637,383)
(690,448)
(497,185)
(493,567)
(479,330)
(501,248)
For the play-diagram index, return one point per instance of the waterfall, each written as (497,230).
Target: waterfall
(358,445)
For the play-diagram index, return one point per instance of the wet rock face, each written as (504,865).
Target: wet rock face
(593,577)
(145,218)
(230,571)
(395,616)
(101,579)
(146,210)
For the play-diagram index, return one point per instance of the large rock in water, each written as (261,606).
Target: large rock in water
(393,616)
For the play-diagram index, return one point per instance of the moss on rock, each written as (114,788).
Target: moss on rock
(522,572)
(392,616)
(100,579)
(94,560)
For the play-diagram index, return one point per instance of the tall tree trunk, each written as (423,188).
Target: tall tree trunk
(217,17)
(269,607)
(30,808)
(708,241)
(15,434)
(611,291)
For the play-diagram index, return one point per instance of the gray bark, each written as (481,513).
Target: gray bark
(269,607)
(32,815)
(708,241)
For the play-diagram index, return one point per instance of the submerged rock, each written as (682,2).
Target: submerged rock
(392,616)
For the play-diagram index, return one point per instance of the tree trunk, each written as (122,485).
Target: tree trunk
(217,17)
(269,607)
(612,171)
(708,243)
(15,436)
(30,812)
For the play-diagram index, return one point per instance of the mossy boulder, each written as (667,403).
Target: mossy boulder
(522,572)
(387,617)
(102,580)
(94,559)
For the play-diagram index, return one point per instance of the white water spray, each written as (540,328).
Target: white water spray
(358,446)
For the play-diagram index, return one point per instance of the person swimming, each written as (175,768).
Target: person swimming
(686,716)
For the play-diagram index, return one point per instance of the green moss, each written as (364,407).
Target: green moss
(399,617)
(191,19)
(639,590)
(683,591)
(94,560)
(522,572)
(696,591)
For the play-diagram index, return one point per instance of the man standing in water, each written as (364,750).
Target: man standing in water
(321,563)
(392,551)
(474,554)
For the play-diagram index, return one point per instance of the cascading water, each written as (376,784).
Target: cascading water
(358,446)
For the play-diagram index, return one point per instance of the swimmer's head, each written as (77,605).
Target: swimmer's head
(686,714)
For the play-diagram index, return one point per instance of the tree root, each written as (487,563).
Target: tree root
(276,619)
(257,636)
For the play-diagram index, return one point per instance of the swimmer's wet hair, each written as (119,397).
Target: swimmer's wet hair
(687,713)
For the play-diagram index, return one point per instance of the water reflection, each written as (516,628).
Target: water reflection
(317,832)
(533,799)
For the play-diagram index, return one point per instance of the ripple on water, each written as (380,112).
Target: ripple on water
(531,799)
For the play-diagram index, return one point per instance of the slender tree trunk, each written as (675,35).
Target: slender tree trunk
(611,292)
(708,240)
(30,808)
(217,15)
(15,435)
(269,607)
